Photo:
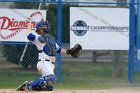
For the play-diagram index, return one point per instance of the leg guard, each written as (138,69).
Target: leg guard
(49,81)
(50,88)
(39,84)
(22,87)
(36,84)
(49,78)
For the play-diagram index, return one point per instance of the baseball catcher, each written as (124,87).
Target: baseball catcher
(47,50)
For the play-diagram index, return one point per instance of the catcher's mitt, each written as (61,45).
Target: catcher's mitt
(75,51)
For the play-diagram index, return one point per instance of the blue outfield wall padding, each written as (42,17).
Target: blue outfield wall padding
(15,43)
(131,43)
(64,2)
(59,79)
(138,38)
(36,1)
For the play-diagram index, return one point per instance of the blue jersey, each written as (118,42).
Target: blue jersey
(50,46)
(46,45)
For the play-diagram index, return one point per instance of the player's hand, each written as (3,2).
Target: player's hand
(29,28)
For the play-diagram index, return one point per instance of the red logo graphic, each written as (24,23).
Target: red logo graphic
(16,26)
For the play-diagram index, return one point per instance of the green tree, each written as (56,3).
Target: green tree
(52,17)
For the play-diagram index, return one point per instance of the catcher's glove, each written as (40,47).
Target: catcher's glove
(75,51)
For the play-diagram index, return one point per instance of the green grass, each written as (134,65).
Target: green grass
(10,78)
(74,76)
(90,76)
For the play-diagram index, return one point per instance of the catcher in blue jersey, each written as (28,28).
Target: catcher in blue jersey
(47,50)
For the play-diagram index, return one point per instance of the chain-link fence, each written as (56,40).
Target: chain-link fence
(93,67)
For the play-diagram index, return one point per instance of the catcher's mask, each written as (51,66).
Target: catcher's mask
(43,25)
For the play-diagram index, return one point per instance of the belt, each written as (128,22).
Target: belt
(40,51)
(46,60)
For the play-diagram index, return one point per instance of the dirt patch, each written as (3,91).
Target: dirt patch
(123,90)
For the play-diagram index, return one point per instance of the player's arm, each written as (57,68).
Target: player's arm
(61,50)
(74,51)
(30,36)
(36,39)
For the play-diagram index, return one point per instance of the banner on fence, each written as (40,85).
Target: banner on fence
(14,23)
(99,28)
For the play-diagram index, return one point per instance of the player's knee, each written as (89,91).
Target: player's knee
(49,78)
(49,81)
(52,78)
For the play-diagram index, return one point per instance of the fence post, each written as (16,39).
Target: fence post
(59,40)
(138,38)
(131,42)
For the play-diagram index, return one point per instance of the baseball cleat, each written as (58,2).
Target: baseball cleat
(23,86)
(26,89)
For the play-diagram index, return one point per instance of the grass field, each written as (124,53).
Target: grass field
(79,77)
(74,76)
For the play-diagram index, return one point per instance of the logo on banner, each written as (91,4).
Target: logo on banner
(13,27)
(80,28)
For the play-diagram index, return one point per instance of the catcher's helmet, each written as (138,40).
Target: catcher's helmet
(45,25)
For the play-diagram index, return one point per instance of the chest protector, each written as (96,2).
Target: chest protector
(50,46)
